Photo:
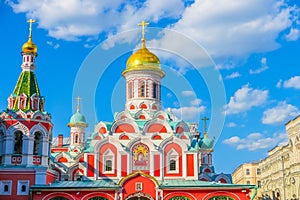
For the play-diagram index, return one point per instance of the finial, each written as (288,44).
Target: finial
(78,103)
(205,131)
(143,24)
(30,21)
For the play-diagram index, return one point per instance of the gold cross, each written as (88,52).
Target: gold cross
(30,26)
(78,103)
(143,24)
(205,119)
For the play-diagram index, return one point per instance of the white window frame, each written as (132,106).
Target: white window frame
(108,155)
(20,184)
(2,184)
(172,155)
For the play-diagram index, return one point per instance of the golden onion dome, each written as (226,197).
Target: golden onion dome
(143,59)
(29,47)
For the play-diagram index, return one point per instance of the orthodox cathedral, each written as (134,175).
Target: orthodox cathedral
(144,153)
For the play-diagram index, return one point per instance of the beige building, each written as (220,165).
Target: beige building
(248,173)
(279,172)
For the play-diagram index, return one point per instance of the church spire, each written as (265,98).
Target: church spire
(26,95)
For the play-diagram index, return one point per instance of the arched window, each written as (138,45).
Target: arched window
(6,188)
(76,139)
(23,188)
(154,95)
(59,198)
(221,198)
(37,143)
(130,90)
(108,165)
(108,162)
(142,91)
(179,198)
(172,165)
(18,142)
(173,161)
(98,198)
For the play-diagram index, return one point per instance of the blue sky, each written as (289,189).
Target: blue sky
(221,56)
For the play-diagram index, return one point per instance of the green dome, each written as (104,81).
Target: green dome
(206,143)
(77,118)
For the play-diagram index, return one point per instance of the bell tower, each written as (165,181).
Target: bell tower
(77,124)
(143,76)
(26,128)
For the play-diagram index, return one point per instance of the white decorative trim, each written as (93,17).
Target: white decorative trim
(222,176)
(180,194)
(18,126)
(38,128)
(58,194)
(2,185)
(100,125)
(108,155)
(172,155)
(22,183)
(157,121)
(224,193)
(125,121)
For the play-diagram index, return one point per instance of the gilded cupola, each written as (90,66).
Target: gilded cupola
(143,59)
(29,46)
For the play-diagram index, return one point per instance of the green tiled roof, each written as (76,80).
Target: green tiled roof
(182,183)
(28,85)
(99,184)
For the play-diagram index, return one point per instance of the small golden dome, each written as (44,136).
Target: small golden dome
(143,59)
(29,47)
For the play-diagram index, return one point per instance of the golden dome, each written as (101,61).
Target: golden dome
(29,47)
(143,59)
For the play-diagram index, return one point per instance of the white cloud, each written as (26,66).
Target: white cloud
(189,113)
(293,82)
(235,28)
(55,46)
(233,75)
(196,102)
(282,112)
(231,124)
(263,67)
(71,19)
(232,28)
(244,99)
(188,93)
(256,141)
(293,35)
(279,83)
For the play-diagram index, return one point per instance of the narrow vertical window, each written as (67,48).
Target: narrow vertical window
(130,90)
(108,165)
(18,142)
(154,90)
(76,139)
(36,145)
(172,165)
(142,88)
(23,188)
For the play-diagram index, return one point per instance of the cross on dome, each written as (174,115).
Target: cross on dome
(78,103)
(205,128)
(30,21)
(143,24)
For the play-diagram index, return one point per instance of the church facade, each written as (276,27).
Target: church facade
(144,153)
